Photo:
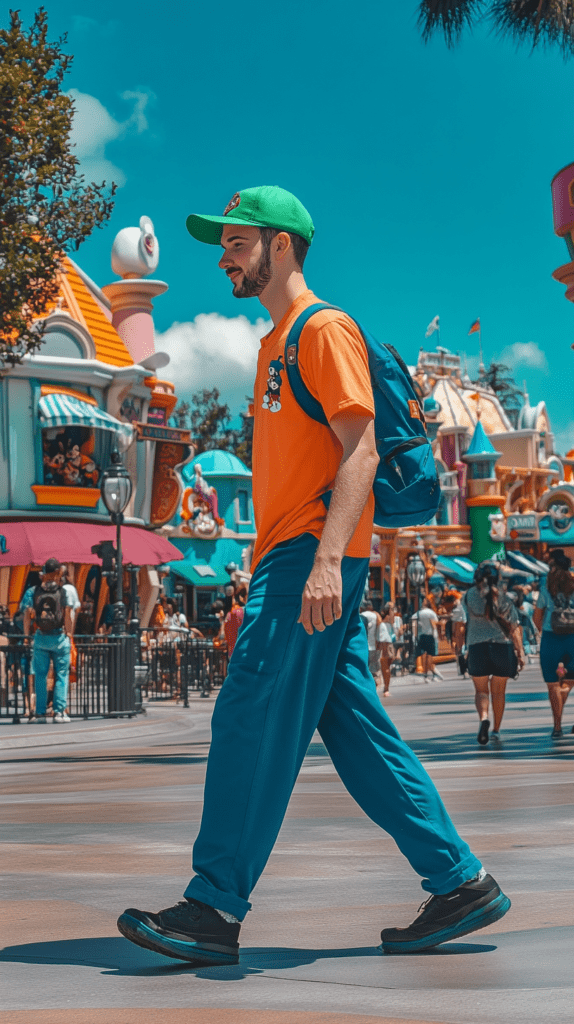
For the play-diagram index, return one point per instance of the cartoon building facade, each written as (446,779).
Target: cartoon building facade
(214,529)
(90,387)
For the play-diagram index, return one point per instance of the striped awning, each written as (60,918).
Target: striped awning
(60,410)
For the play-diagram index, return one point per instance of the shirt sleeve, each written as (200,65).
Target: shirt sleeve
(335,367)
(542,601)
(28,599)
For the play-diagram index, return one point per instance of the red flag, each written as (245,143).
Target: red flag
(475,326)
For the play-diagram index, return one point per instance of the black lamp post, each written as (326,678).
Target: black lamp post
(116,489)
(416,573)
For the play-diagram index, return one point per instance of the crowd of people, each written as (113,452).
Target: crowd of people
(38,645)
(492,629)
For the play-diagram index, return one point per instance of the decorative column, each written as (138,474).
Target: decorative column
(135,254)
(484,498)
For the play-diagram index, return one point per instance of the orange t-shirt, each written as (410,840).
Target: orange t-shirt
(295,459)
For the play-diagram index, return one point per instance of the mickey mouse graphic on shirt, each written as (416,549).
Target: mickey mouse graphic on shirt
(272,397)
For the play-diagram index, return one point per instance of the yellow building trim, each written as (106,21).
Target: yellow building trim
(56,389)
(77,497)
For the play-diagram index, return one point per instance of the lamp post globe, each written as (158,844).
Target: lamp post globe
(116,486)
(116,490)
(416,571)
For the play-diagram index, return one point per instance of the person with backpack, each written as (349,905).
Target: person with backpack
(554,616)
(47,606)
(494,640)
(301,660)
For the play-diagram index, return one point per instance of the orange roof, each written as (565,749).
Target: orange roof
(82,306)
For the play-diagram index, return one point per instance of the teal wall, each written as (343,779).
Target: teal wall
(21,443)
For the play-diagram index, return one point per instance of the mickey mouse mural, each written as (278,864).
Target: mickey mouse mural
(272,397)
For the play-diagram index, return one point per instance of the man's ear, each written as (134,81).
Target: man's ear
(282,244)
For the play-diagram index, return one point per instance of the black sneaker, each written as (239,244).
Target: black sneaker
(189,931)
(482,737)
(473,905)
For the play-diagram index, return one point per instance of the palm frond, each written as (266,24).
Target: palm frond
(540,22)
(447,16)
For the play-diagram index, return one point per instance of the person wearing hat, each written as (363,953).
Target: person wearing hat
(301,658)
(47,605)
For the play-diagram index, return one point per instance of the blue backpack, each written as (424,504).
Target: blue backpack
(406,486)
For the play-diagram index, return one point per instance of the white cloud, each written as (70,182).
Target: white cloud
(524,354)
(214,351)
(94,127)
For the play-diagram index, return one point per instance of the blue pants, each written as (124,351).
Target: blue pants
(283,684)
(55,646)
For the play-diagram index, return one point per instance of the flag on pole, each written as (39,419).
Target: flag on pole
(474,327)
(432,327)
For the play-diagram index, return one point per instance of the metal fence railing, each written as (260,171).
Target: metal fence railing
(112,675)
(171,667)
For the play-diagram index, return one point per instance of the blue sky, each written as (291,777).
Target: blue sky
(427,172)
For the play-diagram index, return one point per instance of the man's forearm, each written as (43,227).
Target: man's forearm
(351,491)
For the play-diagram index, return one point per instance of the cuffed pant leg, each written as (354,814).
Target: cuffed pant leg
(386,778)
(40,668)
(61,655)
(263,721)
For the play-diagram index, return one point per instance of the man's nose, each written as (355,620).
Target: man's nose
(225,260)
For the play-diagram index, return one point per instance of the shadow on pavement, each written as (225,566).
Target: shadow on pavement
(121,957)
(530,743)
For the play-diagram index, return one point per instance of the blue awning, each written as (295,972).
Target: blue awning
(201,575)
(59,410)
(520,560)
(460,569)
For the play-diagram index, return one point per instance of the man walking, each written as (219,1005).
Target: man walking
(47,606)
(301,659)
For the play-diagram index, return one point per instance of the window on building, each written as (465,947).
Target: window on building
(243,506)
(62,345)
(71,456)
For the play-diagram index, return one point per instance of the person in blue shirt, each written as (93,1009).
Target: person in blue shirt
(556,649)
(47,605)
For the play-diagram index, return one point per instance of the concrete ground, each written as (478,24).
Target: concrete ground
(101,815)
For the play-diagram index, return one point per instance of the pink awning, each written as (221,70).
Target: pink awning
(34,541)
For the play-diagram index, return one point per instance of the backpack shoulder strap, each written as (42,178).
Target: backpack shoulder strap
(303,396)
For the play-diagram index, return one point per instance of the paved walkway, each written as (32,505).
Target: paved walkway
(98,816)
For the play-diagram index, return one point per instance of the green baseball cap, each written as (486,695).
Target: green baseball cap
(266,206)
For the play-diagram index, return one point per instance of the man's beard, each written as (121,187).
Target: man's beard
(255,280)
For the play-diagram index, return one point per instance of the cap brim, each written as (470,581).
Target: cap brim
(209,229)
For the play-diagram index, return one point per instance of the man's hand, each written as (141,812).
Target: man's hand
(322,597)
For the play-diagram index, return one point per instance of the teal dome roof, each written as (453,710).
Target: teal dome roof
(216,463)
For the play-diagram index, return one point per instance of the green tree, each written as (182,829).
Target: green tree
(46,209)
(498,377)
(181,415)
(537,22)
(210,419)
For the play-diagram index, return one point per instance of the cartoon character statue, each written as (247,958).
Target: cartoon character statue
(272,397)
(54,461)
(497,526)
(207,493)
(80,469)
